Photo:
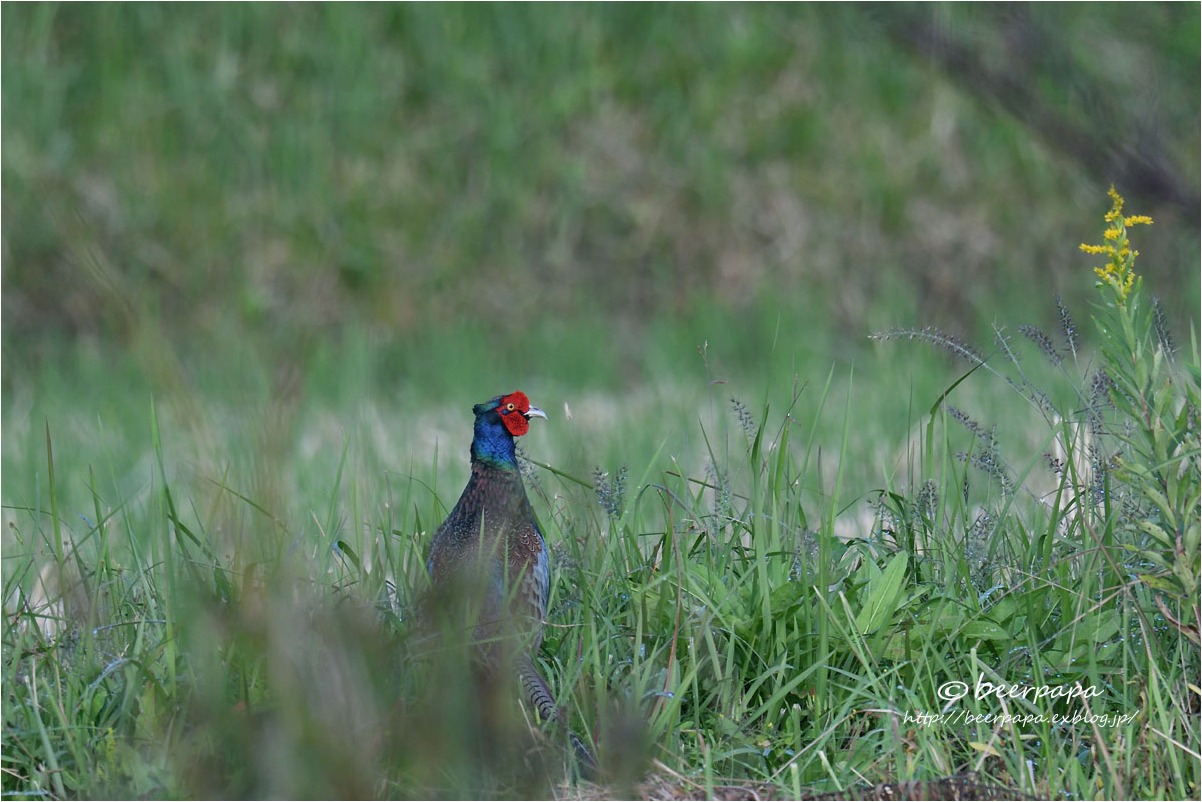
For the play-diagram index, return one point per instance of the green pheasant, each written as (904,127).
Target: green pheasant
(488,560)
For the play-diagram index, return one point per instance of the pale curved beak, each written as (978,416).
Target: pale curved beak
(535,412)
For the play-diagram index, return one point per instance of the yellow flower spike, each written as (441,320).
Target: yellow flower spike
(1119,273)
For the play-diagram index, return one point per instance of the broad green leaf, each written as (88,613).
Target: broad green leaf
(883,593)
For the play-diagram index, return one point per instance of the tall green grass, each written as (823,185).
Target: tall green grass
(739,597)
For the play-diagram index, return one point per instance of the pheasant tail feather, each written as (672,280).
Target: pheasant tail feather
(539,695)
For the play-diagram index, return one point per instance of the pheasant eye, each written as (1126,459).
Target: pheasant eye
(510,407)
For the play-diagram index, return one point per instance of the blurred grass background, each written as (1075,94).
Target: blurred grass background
(256,212)
(316,233)
(251,178)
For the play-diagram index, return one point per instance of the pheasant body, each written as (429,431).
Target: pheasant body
(491,540)
(489,557)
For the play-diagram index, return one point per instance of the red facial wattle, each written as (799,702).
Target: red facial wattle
(515,412)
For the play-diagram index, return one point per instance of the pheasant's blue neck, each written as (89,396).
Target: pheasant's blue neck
(492,444)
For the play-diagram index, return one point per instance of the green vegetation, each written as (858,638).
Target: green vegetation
(260,261)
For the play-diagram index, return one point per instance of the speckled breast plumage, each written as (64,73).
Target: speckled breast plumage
(491,544)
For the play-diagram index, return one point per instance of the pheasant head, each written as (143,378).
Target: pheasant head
(498,421)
